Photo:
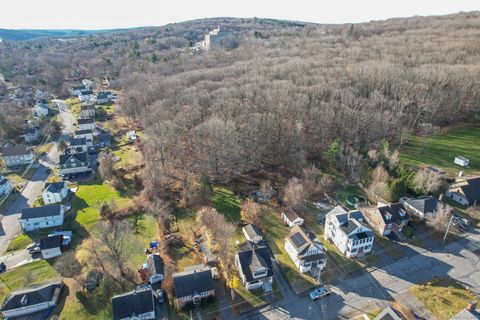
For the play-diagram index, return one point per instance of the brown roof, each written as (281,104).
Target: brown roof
(291,214)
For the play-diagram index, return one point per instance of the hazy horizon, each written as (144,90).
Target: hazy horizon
(109,14)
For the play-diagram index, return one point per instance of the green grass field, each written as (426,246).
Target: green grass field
(226,202)
(442,149)
(38,272)
(444,297)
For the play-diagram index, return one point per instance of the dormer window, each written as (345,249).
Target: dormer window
(388,216)
(260,272)
(402,213)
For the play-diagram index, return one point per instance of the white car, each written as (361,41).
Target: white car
(319,293)
(215,273)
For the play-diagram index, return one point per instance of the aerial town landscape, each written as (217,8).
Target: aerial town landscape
(242,168)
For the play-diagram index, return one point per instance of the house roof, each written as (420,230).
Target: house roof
(82,157)
(470,187)
(302,240)
(253,259)
(51,242)
(32,296)
(466,314)
(85,121)
(290,214)
(81,132)
(388,314)
(155,264)
(133,303)
(87,107)
(104,137)
(79,87)
(78,142)
(390,213)
(252,231)
(425,204)
(55,187)
(84,92)
(31,130)
(18,150)
(103,95)
(188,282)
(41,212)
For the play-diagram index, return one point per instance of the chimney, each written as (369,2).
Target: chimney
(472,306)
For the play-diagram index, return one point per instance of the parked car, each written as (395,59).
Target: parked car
(33,248)
(160,295)
(319,293)
(460,225)
(3,267)
(215,273)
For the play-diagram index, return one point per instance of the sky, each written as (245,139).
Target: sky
(108,14)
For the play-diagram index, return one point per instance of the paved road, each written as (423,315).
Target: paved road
(353,296)
(67,117)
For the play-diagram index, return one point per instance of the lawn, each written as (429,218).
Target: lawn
(442,149)
(87,198)
(226,202)
(444,297)
(128,156)
(184,254)
(38,271)
(341,194)
(19,242)
(41,149)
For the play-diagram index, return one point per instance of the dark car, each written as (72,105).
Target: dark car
(3,267)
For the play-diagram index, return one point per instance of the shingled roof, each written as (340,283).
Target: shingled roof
(194,281)
(18,150)
(31,296)
(253,259)
(133,303)
(41,212)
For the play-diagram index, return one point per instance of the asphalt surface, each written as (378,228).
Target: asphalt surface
(67,117)
(355,295)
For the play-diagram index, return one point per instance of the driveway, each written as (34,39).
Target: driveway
(67,117)
(18,258)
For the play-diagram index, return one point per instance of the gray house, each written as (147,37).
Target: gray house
(18,155)
(255,268)
(74,163)
(420,207)
(136,304)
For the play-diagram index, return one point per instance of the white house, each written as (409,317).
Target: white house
(132,135)
(55,192)
(38,298)
(86,124)
(348,233)
(40,110)
(74,163)
(252,233)
(103,97)
(135,305)
(87,134)
(31,134)
(255,268)
(420,207)
(85,95)
(77,90)
(305,250)
(461,161)
(465,190)
(6,186)
(42,217)
(18,155)
(88,84)
(291,218)
(77,145)
(51,246)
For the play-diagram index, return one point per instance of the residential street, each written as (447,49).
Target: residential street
(356,294)
(67,117)
(9,222)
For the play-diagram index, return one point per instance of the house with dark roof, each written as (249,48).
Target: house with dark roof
(74,163)
(6,186)
(87,111)
(134,305)
(86,124)
(465,190)
(470,312)
(51,246)
(255,268)
(154,264)
(386,218)
(305,250)
(85,95)
(36,218)
(77,90)
(348,233)
(291,218)
(31,134)
(87,134)
(77,145)
(193,286)
(35,300)
(54,192)
(103,97)
(420,207)
(18,155)
(104,140)
(251,233)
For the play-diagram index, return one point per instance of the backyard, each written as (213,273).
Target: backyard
(441,150)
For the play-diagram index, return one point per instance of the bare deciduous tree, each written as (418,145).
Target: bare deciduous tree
(294,193)
(427,182)
(106,165)
(250,212)
(440,218)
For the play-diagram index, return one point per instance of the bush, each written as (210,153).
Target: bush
(408,231)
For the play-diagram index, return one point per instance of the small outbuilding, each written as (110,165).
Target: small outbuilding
(461,161)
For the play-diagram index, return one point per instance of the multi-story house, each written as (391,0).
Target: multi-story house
(85,95)
(255,268)
(31,134)
(42,217)
(138,304)
(18,155)
(465,190)
(386,218)
(36,299)
(77,145)
(6,186)
(74,163)
(348,233)
(87,111)
(193,286)
(86,124)
(54,192)
(305,250)
(421,207)
(87,134)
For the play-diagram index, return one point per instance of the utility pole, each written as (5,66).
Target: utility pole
(448,228)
